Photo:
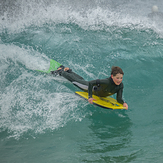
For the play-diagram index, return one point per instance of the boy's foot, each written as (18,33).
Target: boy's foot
(65,69)
(60,69)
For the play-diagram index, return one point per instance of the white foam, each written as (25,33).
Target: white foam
(27,56)
(26,106)
(96,17)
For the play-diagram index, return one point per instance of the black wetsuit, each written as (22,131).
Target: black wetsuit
(99,87)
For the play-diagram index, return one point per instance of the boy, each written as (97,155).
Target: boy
(99,87)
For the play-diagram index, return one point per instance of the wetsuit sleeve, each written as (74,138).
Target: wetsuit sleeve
(90,87)
(119,95)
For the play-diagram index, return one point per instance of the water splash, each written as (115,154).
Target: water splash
(100,16)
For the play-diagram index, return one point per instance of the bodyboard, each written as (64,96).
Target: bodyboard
(53,66)
(104,102)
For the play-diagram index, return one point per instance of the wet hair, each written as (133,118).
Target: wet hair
(116,70)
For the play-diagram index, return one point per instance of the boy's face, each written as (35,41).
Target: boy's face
(117,78)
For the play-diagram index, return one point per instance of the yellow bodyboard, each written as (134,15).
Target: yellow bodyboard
(104,102)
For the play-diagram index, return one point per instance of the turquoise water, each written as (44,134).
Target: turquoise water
(41,119)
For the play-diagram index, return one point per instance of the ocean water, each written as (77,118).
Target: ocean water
(41,119)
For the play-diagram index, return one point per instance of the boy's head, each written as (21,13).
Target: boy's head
(116,70)
(117,75)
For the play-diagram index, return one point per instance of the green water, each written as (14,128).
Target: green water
(41,119)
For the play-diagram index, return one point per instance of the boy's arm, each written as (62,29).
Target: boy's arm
(119,96)
(90,87)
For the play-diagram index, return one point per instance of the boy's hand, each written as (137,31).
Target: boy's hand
(90,100)
(125,105)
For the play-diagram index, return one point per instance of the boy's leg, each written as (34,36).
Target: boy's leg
(76,80)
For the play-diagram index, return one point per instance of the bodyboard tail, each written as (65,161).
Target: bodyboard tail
(53,66)
(104,102)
